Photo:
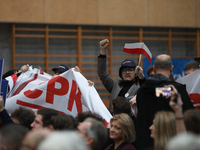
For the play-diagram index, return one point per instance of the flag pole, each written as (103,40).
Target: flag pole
(139,60)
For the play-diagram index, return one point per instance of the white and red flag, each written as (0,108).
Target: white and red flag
(138,48)
(192,82)
(67,93)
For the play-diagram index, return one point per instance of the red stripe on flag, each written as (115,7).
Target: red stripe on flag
(14,78)
(137,51)
(19,102)
(21,87)
(195,97)
(105,122)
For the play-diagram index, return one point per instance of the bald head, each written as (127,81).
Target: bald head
(163,65)
(163,61)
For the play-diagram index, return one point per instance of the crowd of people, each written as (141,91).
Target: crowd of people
(140,119)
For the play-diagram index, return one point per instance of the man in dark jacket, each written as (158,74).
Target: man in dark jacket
(148,103)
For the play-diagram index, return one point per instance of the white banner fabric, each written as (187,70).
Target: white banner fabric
(192,82)
(67,93)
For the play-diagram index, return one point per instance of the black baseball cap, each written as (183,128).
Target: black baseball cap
(128,63)
(62,68)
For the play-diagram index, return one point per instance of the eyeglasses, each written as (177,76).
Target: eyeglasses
(128,70)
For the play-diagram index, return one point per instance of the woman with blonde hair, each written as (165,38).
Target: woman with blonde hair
(122,132)
(163,128)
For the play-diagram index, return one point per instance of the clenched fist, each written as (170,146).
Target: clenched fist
(104,45)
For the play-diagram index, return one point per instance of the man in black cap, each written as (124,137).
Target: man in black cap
(60,69)
(126,86)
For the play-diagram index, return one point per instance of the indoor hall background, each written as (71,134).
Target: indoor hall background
(47,46)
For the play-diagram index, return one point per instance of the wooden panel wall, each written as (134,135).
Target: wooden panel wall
(162,13)
(46,54)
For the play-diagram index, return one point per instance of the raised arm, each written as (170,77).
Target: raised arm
(102,67)
(176,104)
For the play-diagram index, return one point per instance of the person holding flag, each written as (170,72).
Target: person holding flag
(127,85)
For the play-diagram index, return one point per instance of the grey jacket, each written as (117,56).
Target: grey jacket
(111,85)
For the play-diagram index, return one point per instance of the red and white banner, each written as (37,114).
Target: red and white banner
(138,48)
(192,82)
(67,93)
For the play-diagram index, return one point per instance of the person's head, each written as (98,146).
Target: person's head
(163,65)
(122,128)
(43,118)
(63,122)
(65,140)
(191,67)
(127,70)
(8,73)
(184,141)
(60,69)
(23,116)
(150,71)
(11,137)
(121,105)
(192,120)
(33,138)
(163,128)
(94,132)
(86,114)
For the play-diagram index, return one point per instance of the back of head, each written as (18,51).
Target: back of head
(163,62)
(24,116)
(82,116)
(47,113)
(165,128)
(184,141)
(63,122)
(149,70)
(192,65)
(127,127)
(33,138)
(65,140)
(98,131)
(11,136)
(192,120)
(121,105)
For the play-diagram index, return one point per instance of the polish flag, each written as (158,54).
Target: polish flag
(192,82)
(138,48)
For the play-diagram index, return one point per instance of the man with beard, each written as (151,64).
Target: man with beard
(126,86)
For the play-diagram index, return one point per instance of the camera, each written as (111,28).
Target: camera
(164,91)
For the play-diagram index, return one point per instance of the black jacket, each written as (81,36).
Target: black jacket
(148,104)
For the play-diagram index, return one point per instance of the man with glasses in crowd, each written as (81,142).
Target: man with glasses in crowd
(127,86)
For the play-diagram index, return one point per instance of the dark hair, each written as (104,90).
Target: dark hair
(149,70)
(11,136)
(163,62)
(24,115)
(47,113)
(121,105)
(8,73)
(63,121)
(82,116)
(192,120)
(192,65)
